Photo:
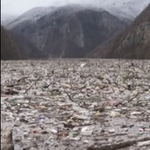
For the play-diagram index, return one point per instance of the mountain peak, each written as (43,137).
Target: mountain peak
(133,43)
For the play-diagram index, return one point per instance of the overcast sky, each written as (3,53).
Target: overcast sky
(17,7)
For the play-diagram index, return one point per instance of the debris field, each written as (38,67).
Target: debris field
(76,104)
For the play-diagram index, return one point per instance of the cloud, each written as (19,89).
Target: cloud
(17,7)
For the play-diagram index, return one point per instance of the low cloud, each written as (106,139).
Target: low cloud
(17,7)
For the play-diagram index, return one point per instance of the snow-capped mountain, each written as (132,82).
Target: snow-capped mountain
(69,30)
(125,8)
(132,43)
(73,29)
(6,19)
(37,12)
(31,15)
(120,8)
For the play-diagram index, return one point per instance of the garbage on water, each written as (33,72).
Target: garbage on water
(86,131)
(145,143)
(115,114)
(71,104)
(136,113)
(82,65)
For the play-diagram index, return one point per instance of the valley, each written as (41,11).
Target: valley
(108,30)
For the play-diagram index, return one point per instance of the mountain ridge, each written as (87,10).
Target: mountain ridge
(71,30)
(133,43)
(67,31)
(15,46)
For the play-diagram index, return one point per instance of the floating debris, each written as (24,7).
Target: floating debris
(71,104)
(145,143)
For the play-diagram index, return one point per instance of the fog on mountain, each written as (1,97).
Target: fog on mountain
(77,31)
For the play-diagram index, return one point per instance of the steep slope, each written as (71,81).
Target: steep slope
(6,19)
(132,43)
(30,16)
(26,48)
(128,9)
(70,31)
(80,32)
(9,50)
(16,46)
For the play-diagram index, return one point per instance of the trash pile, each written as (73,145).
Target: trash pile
(73,104)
